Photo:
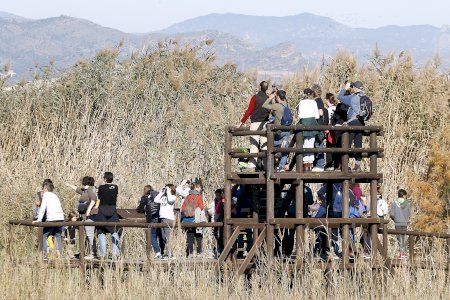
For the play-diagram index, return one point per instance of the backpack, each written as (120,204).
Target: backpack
(189,209)
(287,118)
(366,108)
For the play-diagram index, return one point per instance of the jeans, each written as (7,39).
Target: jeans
(90,233)
(114,242)
(56,232)
(191,237)
(319,157)
(218,234)
(166,233)
(257,142)
(401,238)
(356,138)
(282,141)
(320,246)
(154,240)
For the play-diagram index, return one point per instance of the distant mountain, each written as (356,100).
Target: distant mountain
(12,17)
(275,46)
(314,35)
(64,40)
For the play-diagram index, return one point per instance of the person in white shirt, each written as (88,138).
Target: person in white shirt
(50,211)
(166,198)
(308,114)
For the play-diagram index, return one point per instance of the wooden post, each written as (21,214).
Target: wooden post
(40,239)
(411,241)
(299,230)
(345,146)
(270,190)
(82,241)
(227,187)
(10,236)
(148,245)
(345,214)
(448,261)
(373,194)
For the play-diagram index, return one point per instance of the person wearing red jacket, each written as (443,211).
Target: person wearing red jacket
(259,116)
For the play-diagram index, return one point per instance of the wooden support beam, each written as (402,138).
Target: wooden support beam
(40,237)
(227,187)
(345,227)
(270,191)
(411,242)
(82,248)
(244,265)
(228,246)
(148,243)
(328,150)
(299,230)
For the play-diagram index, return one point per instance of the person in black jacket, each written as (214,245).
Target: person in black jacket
(148,206)
(107,212)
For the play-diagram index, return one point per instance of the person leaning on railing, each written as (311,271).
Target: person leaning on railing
(50,211)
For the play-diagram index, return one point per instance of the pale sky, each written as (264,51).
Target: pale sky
(150,15)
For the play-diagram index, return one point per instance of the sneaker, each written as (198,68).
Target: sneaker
(317,169)
(243,164)
(90,256)
(165,257)
(157,256)
(366,256)
(329,168)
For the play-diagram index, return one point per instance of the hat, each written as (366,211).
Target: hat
(308,91)
(357,84)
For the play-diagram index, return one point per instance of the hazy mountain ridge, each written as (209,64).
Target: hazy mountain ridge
(273,44)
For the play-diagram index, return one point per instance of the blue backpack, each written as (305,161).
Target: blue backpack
(287,118)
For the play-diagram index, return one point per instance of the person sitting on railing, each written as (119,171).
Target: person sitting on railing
(259,117)
(107,212)
(357,113)
(166,199)
(282,116)
(308,114)
(148,206)
(401,214)
(50,211)
(86,203)
(319,158)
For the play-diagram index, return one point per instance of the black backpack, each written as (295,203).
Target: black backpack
(152,208)
(365,106)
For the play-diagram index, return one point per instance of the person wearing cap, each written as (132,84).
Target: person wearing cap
(259,117)
(308,114)
(277,108)
(353,114)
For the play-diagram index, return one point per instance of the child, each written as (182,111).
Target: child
(69,234)
(401,214)
(191,204)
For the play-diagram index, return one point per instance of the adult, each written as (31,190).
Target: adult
(166,200)
(351,95)
(38,199)
(259,116)
(339,118)
(331,102)
(319,158)
(189,210)
(219,202)
(332,195)
(86,202)
(148,206)
(279,107)
(51,209)
(308,114)
(107,212)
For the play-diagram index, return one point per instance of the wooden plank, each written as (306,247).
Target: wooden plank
(252,252)
(226,250)
(326,221)
(366,129)
(260,154)
(337,176)
(328,150)
(112,224)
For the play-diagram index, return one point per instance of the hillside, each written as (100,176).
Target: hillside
(275,46)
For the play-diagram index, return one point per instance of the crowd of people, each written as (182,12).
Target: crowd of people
(350,107)
(186,202)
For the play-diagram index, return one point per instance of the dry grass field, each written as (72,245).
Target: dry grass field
(159,118)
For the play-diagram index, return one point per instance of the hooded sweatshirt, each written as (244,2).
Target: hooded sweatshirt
(401,212)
